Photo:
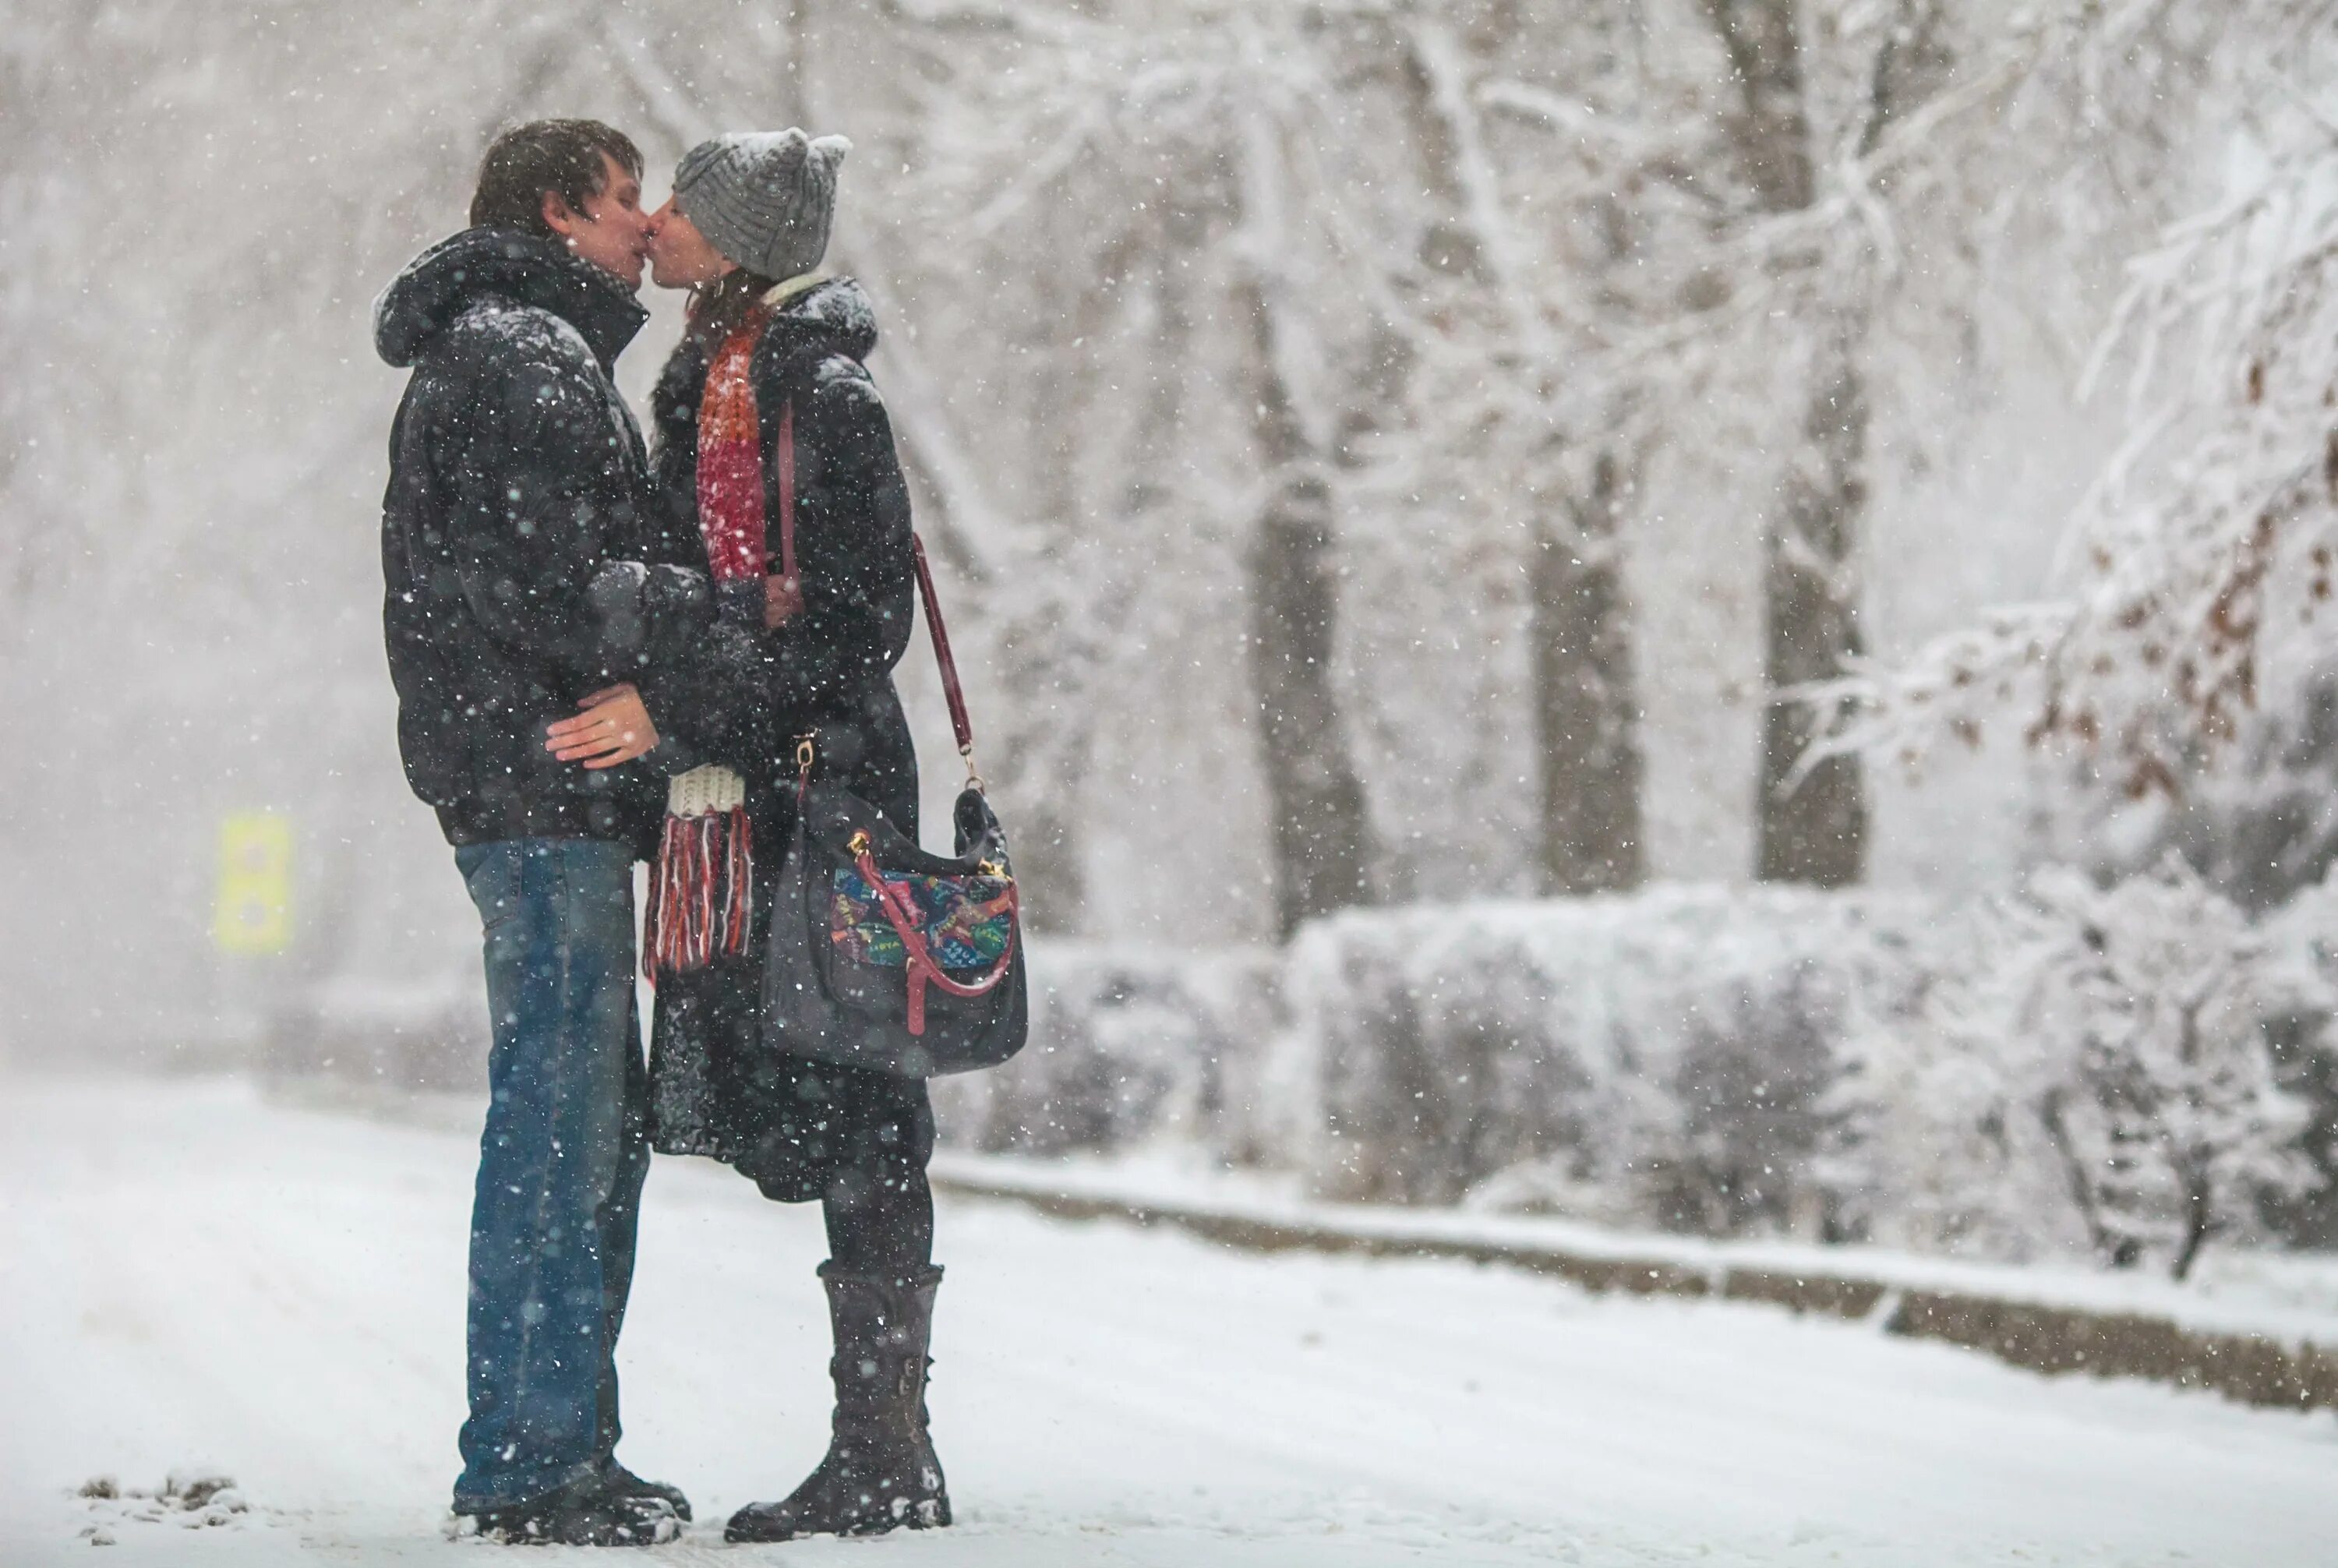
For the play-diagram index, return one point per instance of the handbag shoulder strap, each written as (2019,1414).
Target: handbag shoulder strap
(961,727)
(787,456)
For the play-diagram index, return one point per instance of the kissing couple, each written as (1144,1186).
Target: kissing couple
(604,650)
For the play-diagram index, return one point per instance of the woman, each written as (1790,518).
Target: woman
(766,412)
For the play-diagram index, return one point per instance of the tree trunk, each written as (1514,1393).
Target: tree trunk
(1043,784)
(1322,842)
(1814,830)
(1770,132)
(1586,705)
(1046,777)
(2199,1190)
(1586,709)
(1053,855)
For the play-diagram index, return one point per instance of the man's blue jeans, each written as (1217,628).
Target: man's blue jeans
(561,1165)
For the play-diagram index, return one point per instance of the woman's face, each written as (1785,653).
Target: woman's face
(680,255)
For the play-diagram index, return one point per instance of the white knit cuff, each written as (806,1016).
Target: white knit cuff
(712,788)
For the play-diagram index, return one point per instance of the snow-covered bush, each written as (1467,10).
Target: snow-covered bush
(2127,1071)
(1659,1056)
(1929,1144)
(2091,1066)
(2147,1000)
(1128,1046)
(2301,946)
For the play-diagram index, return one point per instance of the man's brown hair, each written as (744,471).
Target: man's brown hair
(563,156)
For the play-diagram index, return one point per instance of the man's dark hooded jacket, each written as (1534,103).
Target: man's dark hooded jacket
(517,477)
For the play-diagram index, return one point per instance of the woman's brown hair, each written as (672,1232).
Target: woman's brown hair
(720,307)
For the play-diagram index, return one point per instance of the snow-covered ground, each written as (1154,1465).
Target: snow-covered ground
(192,1275)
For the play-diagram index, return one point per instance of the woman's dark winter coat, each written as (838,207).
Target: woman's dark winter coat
(517,475)
(747,694)
(742,696)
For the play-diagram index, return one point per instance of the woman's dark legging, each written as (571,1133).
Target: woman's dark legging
(881,1222)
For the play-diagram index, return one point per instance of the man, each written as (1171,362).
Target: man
(510,538)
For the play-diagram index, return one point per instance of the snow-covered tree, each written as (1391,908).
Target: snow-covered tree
(2196,564)
(1221,222)
(1830,187)
(1501,440)
(2259,822)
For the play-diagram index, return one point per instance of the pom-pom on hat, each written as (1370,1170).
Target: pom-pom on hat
(763,198)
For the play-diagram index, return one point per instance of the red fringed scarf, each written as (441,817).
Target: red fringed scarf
(702,893)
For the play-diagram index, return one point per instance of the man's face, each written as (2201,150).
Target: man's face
(612,232)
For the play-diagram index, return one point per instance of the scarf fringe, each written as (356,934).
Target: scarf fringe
(701,893)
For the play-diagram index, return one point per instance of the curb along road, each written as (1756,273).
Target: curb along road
(2056,1340)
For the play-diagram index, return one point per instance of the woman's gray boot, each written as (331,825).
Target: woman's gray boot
(880,1472)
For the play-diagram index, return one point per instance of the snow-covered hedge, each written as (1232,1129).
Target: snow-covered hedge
(2127,1073)
(1128,1046)
(2087,1069)
(1662,1055)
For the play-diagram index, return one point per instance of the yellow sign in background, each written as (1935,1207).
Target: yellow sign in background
(253,913)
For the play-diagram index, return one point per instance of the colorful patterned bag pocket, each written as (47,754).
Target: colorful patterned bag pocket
(967,921)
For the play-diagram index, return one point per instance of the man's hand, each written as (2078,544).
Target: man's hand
(612,728)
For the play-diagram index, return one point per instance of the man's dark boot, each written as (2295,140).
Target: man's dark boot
(880,1472)
(622,1482)
(583,1514)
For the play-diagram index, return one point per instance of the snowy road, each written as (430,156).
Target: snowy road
(189,1274)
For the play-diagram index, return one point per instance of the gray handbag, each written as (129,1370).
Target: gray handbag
(881,955)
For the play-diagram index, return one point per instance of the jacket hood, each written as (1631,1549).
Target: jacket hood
(836,315)
(833,315)
(444,280)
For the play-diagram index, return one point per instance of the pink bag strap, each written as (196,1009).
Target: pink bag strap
(960,725)
(901,914)
(787,456)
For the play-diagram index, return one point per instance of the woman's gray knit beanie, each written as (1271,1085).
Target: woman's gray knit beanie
(763,198)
